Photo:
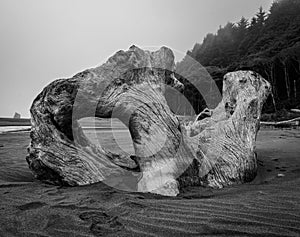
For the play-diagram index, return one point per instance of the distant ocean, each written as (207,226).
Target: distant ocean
(4,129)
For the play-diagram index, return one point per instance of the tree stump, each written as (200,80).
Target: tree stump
(216,151)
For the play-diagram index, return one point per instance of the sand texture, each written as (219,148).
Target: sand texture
(268,206)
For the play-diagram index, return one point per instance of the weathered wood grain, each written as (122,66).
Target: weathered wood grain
(225,141)
(216,151)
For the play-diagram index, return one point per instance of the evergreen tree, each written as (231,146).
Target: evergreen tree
(270,45)
(261,17)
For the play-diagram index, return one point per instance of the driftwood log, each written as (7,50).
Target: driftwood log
(290,122)
(215,151)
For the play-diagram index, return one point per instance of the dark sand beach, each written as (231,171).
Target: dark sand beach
(268,206)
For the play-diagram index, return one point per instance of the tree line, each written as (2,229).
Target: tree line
(268,43)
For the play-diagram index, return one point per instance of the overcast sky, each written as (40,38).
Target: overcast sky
(43,40)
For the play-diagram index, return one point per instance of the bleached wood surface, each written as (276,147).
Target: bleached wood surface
(215,151)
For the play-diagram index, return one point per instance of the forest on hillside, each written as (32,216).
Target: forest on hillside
(269,44)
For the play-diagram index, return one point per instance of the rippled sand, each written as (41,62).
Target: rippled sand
(269,206)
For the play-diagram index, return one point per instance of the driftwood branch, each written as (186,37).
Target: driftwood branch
(216,150)
(294,121)
(295,110)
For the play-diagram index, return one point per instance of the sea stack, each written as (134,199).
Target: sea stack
(17,115)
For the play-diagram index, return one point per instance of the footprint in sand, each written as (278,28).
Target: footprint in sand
(31,205)
(133,205)
(102,224)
